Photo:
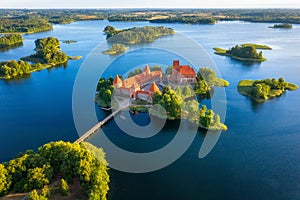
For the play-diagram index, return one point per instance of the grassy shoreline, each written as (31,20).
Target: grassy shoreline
(222,52)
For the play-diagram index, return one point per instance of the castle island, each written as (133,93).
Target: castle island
(144,85)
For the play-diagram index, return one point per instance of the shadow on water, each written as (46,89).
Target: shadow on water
(14,46)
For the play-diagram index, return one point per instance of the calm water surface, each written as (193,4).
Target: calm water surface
(257,158)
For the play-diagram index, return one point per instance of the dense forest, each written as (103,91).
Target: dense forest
(261,90)
(282,26)
(57,161)
(10,40)
(146,34)
(37,20)
(177,104)
(48,51)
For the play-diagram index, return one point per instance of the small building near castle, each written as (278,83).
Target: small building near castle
(183,74)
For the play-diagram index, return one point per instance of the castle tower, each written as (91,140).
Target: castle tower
(117,82)
(153,88)
(147,70)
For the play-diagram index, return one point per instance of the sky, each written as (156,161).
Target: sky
(149,4)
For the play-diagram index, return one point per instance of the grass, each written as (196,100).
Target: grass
(245,87)
(257,46)
(139,109)
(219,82)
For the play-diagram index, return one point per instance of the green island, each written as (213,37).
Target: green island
(262,90)
(116,49)
(48,54)
(135,35)
(285,25)
(69,41)
(257,46)
(247,52)
(56,170)
(8,41)
(178,105)
(180,102)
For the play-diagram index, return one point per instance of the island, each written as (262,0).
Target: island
(177,92)
(69,41)
(286,25)
(116,49)
(243,53)
(186,20)
(146,34)
(56,170)
(262,90)
(48,54)
(8,41)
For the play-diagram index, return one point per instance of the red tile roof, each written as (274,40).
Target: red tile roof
(153,88)
(117,80)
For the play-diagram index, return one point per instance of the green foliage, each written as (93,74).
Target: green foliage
(24,25)
(33,195)
(248,52)
(48,50)
(285,25)
(64,187)
(146,34)
(105,90)
(13,68)
(261,90)
(116,49)
(36,170)
(10,40)
(5,180)
(257,46)
(186,20)
(168,70)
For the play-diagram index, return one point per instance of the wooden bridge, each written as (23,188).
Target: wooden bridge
(98,126)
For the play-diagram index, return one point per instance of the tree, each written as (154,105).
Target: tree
(201,88)
(187,92)
(33,195)
(64,187)
(5,181)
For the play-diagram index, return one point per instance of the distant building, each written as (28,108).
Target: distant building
(183,74)
(132,86)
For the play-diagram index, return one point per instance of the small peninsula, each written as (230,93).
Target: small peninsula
(116,49)
(146,34)
(286,26)
(69,41)
(48,54)
(246,52)
(263,90)
(8,41)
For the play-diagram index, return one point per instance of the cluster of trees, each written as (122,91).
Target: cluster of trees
(31,170)
(285,25)
(179,104)
(146,34)
(12,68)
(262,88)
(29,24)
(206,81)
(248,52)
(48,51)
(104,90)
(116,49)
(186,20)
(10,39)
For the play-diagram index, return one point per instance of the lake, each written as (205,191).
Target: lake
(257,158)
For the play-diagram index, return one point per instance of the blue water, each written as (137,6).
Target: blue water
(257,158)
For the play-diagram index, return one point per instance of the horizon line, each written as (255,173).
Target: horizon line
(160,8)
